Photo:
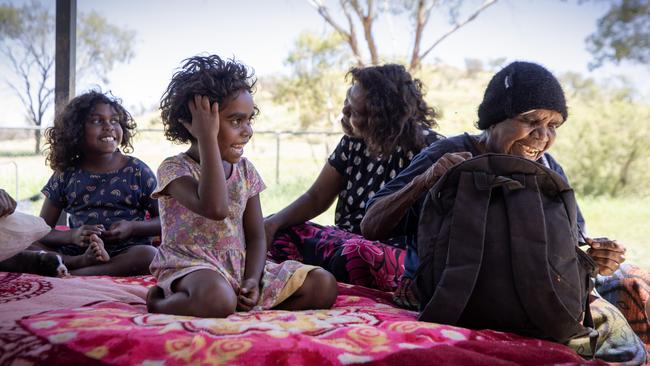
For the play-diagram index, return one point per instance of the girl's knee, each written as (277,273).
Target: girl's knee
(323,288)
(144,252)
(218,309)
(155,295)
(214,302)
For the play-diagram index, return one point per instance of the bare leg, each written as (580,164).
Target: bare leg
(95,253)
(133,261)
(317,292)
(203,293)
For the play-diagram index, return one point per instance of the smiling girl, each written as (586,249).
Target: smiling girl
(212,260)
(106,194)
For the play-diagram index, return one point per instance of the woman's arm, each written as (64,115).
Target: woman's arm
(249,290)
(318,198)
(386,212)
(255,243)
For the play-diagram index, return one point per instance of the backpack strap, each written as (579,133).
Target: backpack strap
(529,247)
(465,240)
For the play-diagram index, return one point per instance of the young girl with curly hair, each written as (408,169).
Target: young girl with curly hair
(386,122)
(212,260)
(106,194)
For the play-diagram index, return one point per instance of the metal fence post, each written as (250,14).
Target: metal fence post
(17,178)
(277,158)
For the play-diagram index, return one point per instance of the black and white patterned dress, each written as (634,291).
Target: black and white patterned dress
(364,176)
(340,248)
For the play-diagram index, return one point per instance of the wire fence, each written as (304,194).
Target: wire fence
(282,155)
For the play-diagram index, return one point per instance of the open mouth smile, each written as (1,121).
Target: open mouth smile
(530,152)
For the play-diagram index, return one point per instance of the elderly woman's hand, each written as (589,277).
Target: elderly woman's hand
(608,254)
(438,169)
(7,204)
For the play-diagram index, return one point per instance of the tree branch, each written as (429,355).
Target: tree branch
(422,15)
(366,22)
(349,36)
(457,26)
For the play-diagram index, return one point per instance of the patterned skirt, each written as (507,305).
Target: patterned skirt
(629,289)
(350,257)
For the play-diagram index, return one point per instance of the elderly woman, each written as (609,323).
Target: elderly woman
(522,110)
(386,122)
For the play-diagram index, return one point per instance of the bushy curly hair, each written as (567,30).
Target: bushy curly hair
(65,140)
(397,112)
(211,76)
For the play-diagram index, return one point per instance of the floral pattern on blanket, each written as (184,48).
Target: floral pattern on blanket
(362,328)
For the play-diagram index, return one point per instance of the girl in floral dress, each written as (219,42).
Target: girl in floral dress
(212,260)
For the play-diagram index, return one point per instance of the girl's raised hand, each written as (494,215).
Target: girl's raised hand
(205,118)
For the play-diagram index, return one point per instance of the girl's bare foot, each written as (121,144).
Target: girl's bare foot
(96,249)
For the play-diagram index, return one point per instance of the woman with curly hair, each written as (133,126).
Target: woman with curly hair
(106,194)
(212,260)
(386,122)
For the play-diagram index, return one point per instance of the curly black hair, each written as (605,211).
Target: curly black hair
(220,80)
(397,112)
(65,140)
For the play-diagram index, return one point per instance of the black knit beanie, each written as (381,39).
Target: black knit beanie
(517,88)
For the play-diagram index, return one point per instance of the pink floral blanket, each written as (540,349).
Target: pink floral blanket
(103,320)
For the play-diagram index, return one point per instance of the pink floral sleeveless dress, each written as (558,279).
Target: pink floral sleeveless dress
(192,242)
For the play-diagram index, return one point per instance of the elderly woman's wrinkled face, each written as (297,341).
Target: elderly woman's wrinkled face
(527,135)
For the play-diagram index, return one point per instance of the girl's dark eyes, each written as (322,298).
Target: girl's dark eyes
(238,122)
(97,121)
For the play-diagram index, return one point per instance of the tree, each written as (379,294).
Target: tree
(28,45)
(418,10)
(623,34)
(315,90)
(604,145)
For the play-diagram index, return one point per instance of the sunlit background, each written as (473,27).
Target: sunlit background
(132,48)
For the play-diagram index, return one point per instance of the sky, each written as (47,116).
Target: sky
(261,34)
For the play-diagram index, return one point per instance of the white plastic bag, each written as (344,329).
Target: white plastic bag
(18,231)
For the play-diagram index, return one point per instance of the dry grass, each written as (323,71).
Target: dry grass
(301,159)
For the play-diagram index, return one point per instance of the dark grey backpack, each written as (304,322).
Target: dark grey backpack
(498,247)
